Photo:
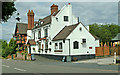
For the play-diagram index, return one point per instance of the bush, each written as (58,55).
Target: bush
(7,51)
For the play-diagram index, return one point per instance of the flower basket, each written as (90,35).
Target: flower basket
(29,54)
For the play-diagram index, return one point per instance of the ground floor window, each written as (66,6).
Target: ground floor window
(56,46)
(60,45)
(39,44)
(75,45)
(46,44)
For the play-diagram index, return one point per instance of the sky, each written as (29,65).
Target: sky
(88,12)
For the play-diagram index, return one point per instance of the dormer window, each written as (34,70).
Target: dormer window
(65,18)
(41,22)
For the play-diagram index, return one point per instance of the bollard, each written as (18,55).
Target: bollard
(114,57)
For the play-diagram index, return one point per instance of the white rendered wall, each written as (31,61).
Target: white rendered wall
(78,35)
(57,26)
(29,34)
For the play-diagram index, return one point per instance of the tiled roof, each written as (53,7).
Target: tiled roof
(22,27)
(47,19)
(31,42)
(63,34)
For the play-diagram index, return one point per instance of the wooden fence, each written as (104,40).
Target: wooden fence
(106,51)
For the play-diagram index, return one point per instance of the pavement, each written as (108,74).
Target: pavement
(101,61)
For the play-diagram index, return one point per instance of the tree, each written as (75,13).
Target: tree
(12,44)
(4,44)
(104,32)
(8,48)
(8,9)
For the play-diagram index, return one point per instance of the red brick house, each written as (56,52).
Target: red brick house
(21,35)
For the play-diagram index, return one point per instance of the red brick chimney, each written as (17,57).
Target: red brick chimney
(54,8)
(30,15)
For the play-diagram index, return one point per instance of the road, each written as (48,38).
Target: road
(53,66)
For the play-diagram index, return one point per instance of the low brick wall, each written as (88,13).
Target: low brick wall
(20,56)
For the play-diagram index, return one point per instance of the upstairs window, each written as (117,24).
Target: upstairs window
(75,45)
(83,40)
(39,34)
(46,32)
(65,18)
(60,45)
(34,35)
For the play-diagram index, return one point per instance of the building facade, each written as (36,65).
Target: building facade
(59,34)
(21,35)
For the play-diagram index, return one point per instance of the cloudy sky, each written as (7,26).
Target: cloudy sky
(89,13)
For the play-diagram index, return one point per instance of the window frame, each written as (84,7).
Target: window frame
(83,40)
(56,45)
(60,45)
(74,45)
(46,32)
(65,18)
(39,34)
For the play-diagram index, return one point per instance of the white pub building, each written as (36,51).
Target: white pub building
(60,35)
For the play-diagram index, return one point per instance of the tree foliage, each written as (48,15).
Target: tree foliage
(8,9)
(8,48)
(104,32)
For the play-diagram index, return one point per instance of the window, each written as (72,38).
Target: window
(34,36)
(46,45)
(39,34)
(75,45)
(83,40)
(46,32)
(50,43)
(65,18)
(80,28)
(56,45)
(60,45)
(39,45)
